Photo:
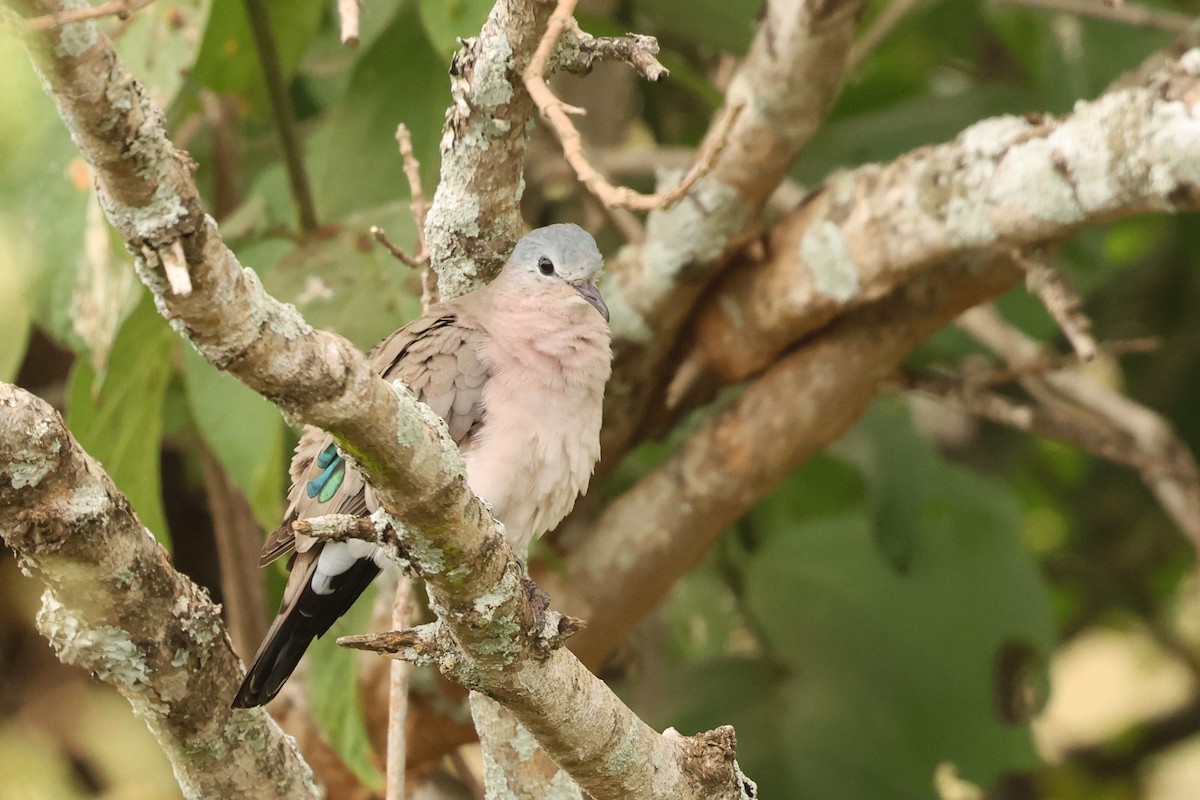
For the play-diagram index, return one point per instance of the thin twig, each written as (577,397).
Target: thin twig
(1101,420)
(1052,362)
(420,210)
(1124,13)
(348,14)
(281,110)
(121,9)
(1061,300)
(412,172)
(577,53)
(336,527)
(381,236)
(557,113)
(883,25)
(397,750)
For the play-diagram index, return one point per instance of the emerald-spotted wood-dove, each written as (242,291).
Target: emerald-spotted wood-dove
(517,369)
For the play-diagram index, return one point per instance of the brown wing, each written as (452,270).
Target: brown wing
(437,357)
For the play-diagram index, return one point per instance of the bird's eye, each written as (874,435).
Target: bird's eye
(545,266)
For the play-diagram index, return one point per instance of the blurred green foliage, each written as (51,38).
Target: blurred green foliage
(890,607)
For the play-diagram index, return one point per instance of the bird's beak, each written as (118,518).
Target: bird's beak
(589,292)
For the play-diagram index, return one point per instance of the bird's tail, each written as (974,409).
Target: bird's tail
(303,616)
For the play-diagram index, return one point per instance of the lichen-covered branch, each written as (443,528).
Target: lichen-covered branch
(578,52)
(116,607)
(503,643)
(1009,181)
(475,219)
(787,80)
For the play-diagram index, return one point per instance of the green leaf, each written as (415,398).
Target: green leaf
(447,20)
(916,664)
(347,283)
(159,44)
(355,163)
(44,191)
(244,431)
(747,694)
(334,697)
(228,61)
(118,419)
(902,472)
(719,24)
(14,294)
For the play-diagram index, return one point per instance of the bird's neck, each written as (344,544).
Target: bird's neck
(556,324)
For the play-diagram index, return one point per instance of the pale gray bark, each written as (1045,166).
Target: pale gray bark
(115,607)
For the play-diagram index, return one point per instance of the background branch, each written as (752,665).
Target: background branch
(806,400)
(784,85)
(1011,179)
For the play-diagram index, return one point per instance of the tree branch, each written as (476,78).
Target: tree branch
(473,223)
(578,52)
(557,114)
(784,85)
(446,533)
(116,607)
(1014,180)
(1102,421)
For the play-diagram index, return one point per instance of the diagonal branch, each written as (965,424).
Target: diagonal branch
(787,80)
(1106,423)
(1015,180)
(446,533)
(115,606)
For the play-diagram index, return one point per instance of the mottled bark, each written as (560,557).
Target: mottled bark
(115,607)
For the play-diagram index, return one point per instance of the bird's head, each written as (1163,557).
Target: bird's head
(563,254)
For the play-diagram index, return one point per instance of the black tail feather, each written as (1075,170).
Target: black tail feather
(294,629)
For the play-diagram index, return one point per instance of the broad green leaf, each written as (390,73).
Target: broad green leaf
(702,612)
(354,162)
(903,475)
(917,663)
(44,191)
(228,62)
(118,419)
(159,45)
(718,24)
(447,20)
(822,486)
(348,283)
(328,64)
(14,298)
(244,431)
(334,697)
(747,694)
